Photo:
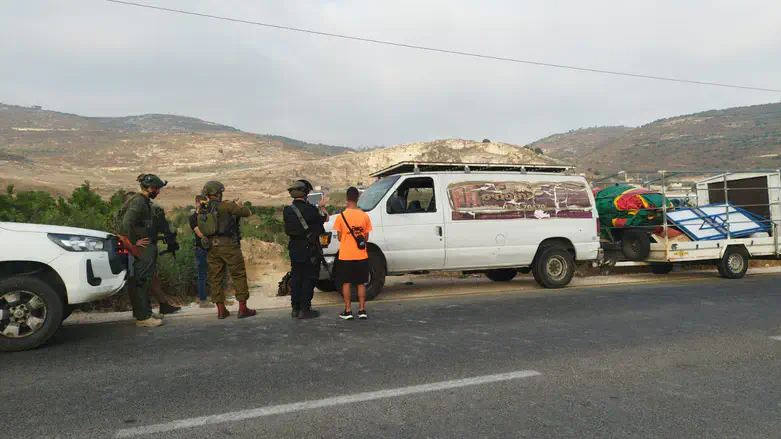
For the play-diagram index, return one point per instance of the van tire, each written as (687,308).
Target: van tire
(501,275)
(326,285)
(635,245)
(52,305)
(661,268)
(734,263)
(377,274)
(554,267)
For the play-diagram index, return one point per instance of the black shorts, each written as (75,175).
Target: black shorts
(353,272)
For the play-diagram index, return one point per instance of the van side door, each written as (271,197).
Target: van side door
(413,222)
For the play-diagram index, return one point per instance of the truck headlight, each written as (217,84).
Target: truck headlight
(77,243)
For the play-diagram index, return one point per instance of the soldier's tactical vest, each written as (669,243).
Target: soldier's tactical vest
(144,227)
(211,223)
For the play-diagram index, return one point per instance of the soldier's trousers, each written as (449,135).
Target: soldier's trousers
(303,277)
(144,268)
(227,254)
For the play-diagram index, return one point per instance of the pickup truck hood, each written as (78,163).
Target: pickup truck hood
(42,228)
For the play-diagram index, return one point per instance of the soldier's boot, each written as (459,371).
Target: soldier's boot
(222,312)
(166,308)
(244,311)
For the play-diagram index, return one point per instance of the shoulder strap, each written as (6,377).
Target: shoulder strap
(300,217)
(348,227)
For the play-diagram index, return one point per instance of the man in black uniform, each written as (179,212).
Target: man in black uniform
(305,266)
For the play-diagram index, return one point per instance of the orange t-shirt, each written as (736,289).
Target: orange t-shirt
(361,225)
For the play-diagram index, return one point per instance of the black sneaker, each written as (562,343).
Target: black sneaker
(346,315)
(362,314)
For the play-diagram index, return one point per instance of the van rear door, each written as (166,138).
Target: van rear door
(413,222)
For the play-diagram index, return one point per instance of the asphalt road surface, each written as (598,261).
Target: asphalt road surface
(692,359)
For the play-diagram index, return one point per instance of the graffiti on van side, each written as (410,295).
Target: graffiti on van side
(483,200)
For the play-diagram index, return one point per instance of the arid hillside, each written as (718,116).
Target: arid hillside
(41,149)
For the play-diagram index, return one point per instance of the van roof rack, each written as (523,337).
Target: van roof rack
(417,167)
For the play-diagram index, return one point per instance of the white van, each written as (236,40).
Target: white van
(492,219)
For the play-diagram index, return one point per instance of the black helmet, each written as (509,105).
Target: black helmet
(152,181)
(300,188)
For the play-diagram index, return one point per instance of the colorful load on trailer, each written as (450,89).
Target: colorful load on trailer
(624,206)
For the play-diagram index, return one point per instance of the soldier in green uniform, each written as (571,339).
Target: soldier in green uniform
(137,225)
(224,243)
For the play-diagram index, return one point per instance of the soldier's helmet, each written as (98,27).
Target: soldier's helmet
(300,188)
(213,188)
(150,181)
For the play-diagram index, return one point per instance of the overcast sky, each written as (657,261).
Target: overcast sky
(101,59)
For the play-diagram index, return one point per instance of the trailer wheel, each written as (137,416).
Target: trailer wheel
(636,245)
(554,267)
(734,263)
(661,268)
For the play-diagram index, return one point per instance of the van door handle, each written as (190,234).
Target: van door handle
(439,230)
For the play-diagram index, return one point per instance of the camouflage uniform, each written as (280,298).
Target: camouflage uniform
(225,252)
(138,223)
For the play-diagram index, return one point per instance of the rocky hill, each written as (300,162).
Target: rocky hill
(735,138)
(58,151)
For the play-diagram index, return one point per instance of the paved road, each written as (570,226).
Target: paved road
(692,359)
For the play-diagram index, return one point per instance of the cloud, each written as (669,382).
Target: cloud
(107,59)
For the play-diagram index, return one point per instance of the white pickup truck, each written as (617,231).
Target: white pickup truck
(492,219)
(45,271)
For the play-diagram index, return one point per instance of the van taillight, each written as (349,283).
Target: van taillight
(599,229)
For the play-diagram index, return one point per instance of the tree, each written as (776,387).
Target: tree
(486,141)
(9,189)
(538,151)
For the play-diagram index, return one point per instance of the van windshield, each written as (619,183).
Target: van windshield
(374,193)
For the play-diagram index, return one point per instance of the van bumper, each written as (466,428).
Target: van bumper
(587,252)
(323,272)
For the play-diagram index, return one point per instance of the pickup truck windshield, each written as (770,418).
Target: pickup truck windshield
(374,193)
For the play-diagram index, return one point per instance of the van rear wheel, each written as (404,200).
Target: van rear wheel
(554,267)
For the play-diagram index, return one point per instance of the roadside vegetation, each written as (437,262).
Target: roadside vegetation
(86,209)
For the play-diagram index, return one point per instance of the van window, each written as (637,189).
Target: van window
(374,193)
(414,195)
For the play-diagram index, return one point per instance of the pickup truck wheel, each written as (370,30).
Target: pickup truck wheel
(326,285)
(554,267)
(503,275)
(30,313)
(661,268)
(734,264)
(377,274)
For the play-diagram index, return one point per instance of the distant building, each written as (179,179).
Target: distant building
(36,107)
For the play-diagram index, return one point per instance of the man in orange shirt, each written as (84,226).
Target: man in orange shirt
(353,227)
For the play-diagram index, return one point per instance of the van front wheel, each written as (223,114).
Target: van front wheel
(377,274)
(554,267)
